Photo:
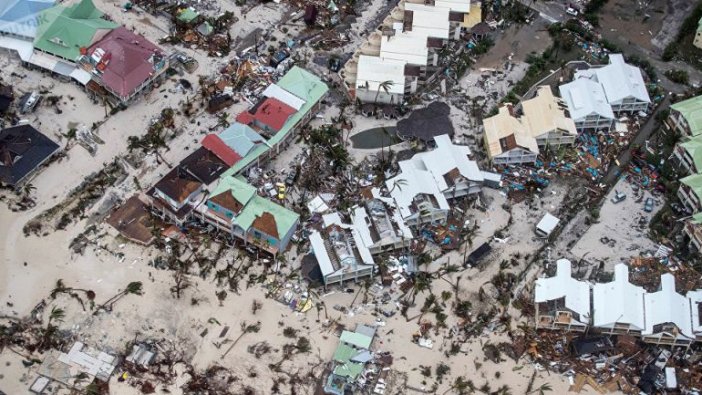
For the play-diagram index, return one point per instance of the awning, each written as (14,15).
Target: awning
(81,76)
(41,60)
(23,48)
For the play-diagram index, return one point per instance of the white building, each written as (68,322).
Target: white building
(587,105)
(562,302)
(412,33)
(618,306)
(380,80)
(380,230)
(429,178)
(622,83)
(341,252)
(668,317)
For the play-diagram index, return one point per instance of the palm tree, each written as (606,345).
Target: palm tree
(545,387)
(398,183)
(57,314)
(133,288)
(385,86)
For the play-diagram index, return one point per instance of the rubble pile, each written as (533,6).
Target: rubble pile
(615,363)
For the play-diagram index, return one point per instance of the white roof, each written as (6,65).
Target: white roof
(618,301)
(446,157)
(548,223)
(361,222)
(417,182)
(584,97)
(429,21)
(373,70)
(404,230)
(320,252)
(286,97)
(409,47)
(576,293)
(317,205)
(695,298)
(361,248)
(23,48)
(454,5)
(619,80)
(666,306)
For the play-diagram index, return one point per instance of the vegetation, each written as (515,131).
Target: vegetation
(682,47)
(678,76)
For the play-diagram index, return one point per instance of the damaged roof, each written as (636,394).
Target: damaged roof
(129,60)
(562,285)
(22,149)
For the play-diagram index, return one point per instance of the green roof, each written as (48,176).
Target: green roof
(284,218)
(694,148)
(349,369)
(65,30)
(691,109)
(187,15)
(355,339)
(254,205)
(697,219)
(305,86)
(344,353)
(240,190)
(695,183)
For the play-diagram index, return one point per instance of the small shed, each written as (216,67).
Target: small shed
(547,224)
(478,254)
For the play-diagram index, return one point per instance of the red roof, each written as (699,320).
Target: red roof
(272,113)
(245,117)
(128,64)
(214,144)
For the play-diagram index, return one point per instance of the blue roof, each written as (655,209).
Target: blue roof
(241,138)
(21,17)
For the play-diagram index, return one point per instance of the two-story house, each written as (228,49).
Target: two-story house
(690,192)
(587,105)
(618,306)
(623,85)
(561,301)
(340,251)
(685,117)
(668,315)
(507,140)
(234,207)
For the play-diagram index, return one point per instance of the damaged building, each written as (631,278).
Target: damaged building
(663,317)
(404,54)
(426,181)
(511,138)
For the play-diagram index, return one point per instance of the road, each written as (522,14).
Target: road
(552,11)
(644,133)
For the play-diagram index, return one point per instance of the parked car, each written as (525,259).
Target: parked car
(290,179)
(278,57)
(618,197)
(648,205)
(572,11)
